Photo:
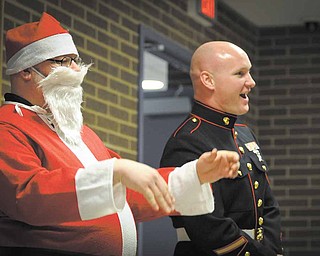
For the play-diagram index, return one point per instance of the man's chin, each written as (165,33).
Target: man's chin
(241,110)
(244,111)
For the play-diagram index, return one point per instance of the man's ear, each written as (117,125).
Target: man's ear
(207,80)
(25,74)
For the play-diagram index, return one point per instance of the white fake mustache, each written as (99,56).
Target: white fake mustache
(63,97)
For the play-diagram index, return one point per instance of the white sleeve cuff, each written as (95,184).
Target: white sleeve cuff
(96,194)
(191,197)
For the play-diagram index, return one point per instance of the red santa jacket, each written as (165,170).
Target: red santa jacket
(40,198)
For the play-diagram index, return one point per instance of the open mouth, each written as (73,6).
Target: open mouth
(243,95)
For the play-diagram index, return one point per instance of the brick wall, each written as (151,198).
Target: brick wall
(288,115)
(285,109)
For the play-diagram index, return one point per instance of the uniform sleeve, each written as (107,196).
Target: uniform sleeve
(35,195)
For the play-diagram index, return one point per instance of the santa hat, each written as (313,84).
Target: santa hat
(33,43)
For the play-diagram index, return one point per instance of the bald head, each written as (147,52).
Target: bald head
(217,68)
(210,56)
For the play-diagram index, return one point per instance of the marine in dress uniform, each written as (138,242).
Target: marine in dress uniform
(246,219)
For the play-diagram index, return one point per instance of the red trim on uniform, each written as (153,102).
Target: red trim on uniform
(211,122)
(235,142)
(242,125)
(179,128)
(254,201)
(267,177)
(199,123)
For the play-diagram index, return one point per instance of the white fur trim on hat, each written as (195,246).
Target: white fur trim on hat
(41,50)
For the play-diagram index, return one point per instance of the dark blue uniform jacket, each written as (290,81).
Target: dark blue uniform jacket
(243,203)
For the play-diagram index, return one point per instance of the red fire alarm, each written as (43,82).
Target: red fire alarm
(207,8)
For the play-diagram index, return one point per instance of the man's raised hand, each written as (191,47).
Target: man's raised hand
(215,165)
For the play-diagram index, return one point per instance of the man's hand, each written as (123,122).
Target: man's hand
(145,180)
(215,165)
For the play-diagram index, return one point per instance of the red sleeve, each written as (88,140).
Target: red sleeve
(113,154)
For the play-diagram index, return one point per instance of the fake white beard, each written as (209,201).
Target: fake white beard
(62,93)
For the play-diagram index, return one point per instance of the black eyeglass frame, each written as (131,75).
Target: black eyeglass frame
(68,60)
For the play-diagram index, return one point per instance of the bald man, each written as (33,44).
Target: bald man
(246,219)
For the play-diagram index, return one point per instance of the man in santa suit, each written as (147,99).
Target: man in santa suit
(62,191)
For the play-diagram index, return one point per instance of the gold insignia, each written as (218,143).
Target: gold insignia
(194,120)
(226,120)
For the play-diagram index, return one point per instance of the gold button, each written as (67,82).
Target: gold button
(249,165)
(194,120)
(226,120)
(264,167)
(260,221)
(259,233)
(241,150)
(256,185)
(259,237)
(260,202)
(239,173)
(247,254)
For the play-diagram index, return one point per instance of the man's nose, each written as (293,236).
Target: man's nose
(250,81)
(74,66)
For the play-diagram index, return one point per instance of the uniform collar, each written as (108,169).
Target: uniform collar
(212,115)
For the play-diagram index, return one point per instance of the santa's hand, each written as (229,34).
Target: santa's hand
(145,180)
(215,165)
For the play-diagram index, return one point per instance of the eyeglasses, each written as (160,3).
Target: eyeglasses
(66,61)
